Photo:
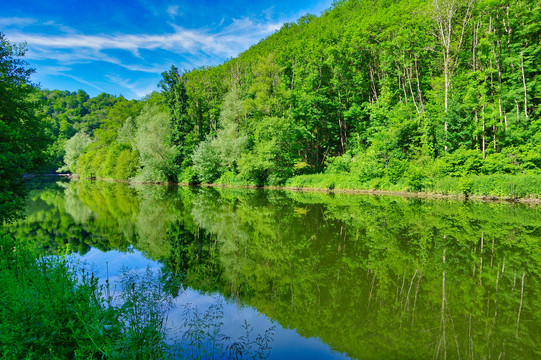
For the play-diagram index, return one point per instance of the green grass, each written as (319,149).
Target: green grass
(499,185)
(49,310)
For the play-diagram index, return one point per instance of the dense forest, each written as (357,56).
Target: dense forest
(376,94)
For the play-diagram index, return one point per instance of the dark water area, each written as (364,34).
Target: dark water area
(339,276)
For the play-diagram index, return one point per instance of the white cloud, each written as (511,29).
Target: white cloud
(140,87)
(16,22)
(225,43)
(172,10)
(59,48)
(83,81)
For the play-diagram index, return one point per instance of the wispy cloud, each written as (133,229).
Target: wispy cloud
(226,43)
(139,87)
(84,82)
(172,10)
(16,21)
(133,58)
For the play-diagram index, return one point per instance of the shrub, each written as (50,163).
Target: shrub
(367,167)
(498,163)
(395,169)
(127,165)
(416,179)
(460,163)
(188,176)
(338,164)
(206,162)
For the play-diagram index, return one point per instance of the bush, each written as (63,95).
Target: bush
(498,163)
(395,169)
(206,162)
(188,176)
(127,165)
(465,185)
(338,164)
(416,179)
(367,167)
(460,163)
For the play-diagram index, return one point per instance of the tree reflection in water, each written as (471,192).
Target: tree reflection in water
(373,277)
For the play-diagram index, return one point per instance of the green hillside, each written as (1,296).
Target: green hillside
(402,95)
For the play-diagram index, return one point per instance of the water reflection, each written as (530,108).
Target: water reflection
(372,277)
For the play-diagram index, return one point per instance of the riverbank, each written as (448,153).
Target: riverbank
(52,309)
(515,188)
(488,188)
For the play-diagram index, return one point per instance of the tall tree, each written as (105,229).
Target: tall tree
(22,136)
(446,14)
(173,85)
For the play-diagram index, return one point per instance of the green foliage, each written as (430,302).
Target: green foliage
(498,163)
(52,310)
(396,169)
(23,137)
(230,141)
(338,164)
(73,149)
(71,112)
(320,263)
(460,163)
(367,91)
(126,166)
(154,143)
(206,163)
(144,307)
(173,85)
(416,179)
(368,166)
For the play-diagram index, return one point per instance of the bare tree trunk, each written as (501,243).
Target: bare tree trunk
(409,74)
(484,144)
(372,82)
(419,92)
(524,83)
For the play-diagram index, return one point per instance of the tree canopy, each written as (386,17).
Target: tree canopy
(22,132)
(384,94)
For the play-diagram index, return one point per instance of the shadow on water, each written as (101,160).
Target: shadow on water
(372,277)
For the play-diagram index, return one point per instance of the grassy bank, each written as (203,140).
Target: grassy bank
(496,186)
(51,310)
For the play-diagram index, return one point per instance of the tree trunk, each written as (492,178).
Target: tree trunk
(524,83)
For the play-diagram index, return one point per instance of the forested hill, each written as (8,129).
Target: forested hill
(374,93)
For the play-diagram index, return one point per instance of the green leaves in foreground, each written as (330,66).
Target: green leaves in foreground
(51,310)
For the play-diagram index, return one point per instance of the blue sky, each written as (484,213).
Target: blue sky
(121,47)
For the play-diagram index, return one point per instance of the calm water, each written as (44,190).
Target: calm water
(340,276)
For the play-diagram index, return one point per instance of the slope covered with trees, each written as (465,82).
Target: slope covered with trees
(418,95)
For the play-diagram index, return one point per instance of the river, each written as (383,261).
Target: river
(331,276)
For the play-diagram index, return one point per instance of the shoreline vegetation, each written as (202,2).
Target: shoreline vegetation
(528,194)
